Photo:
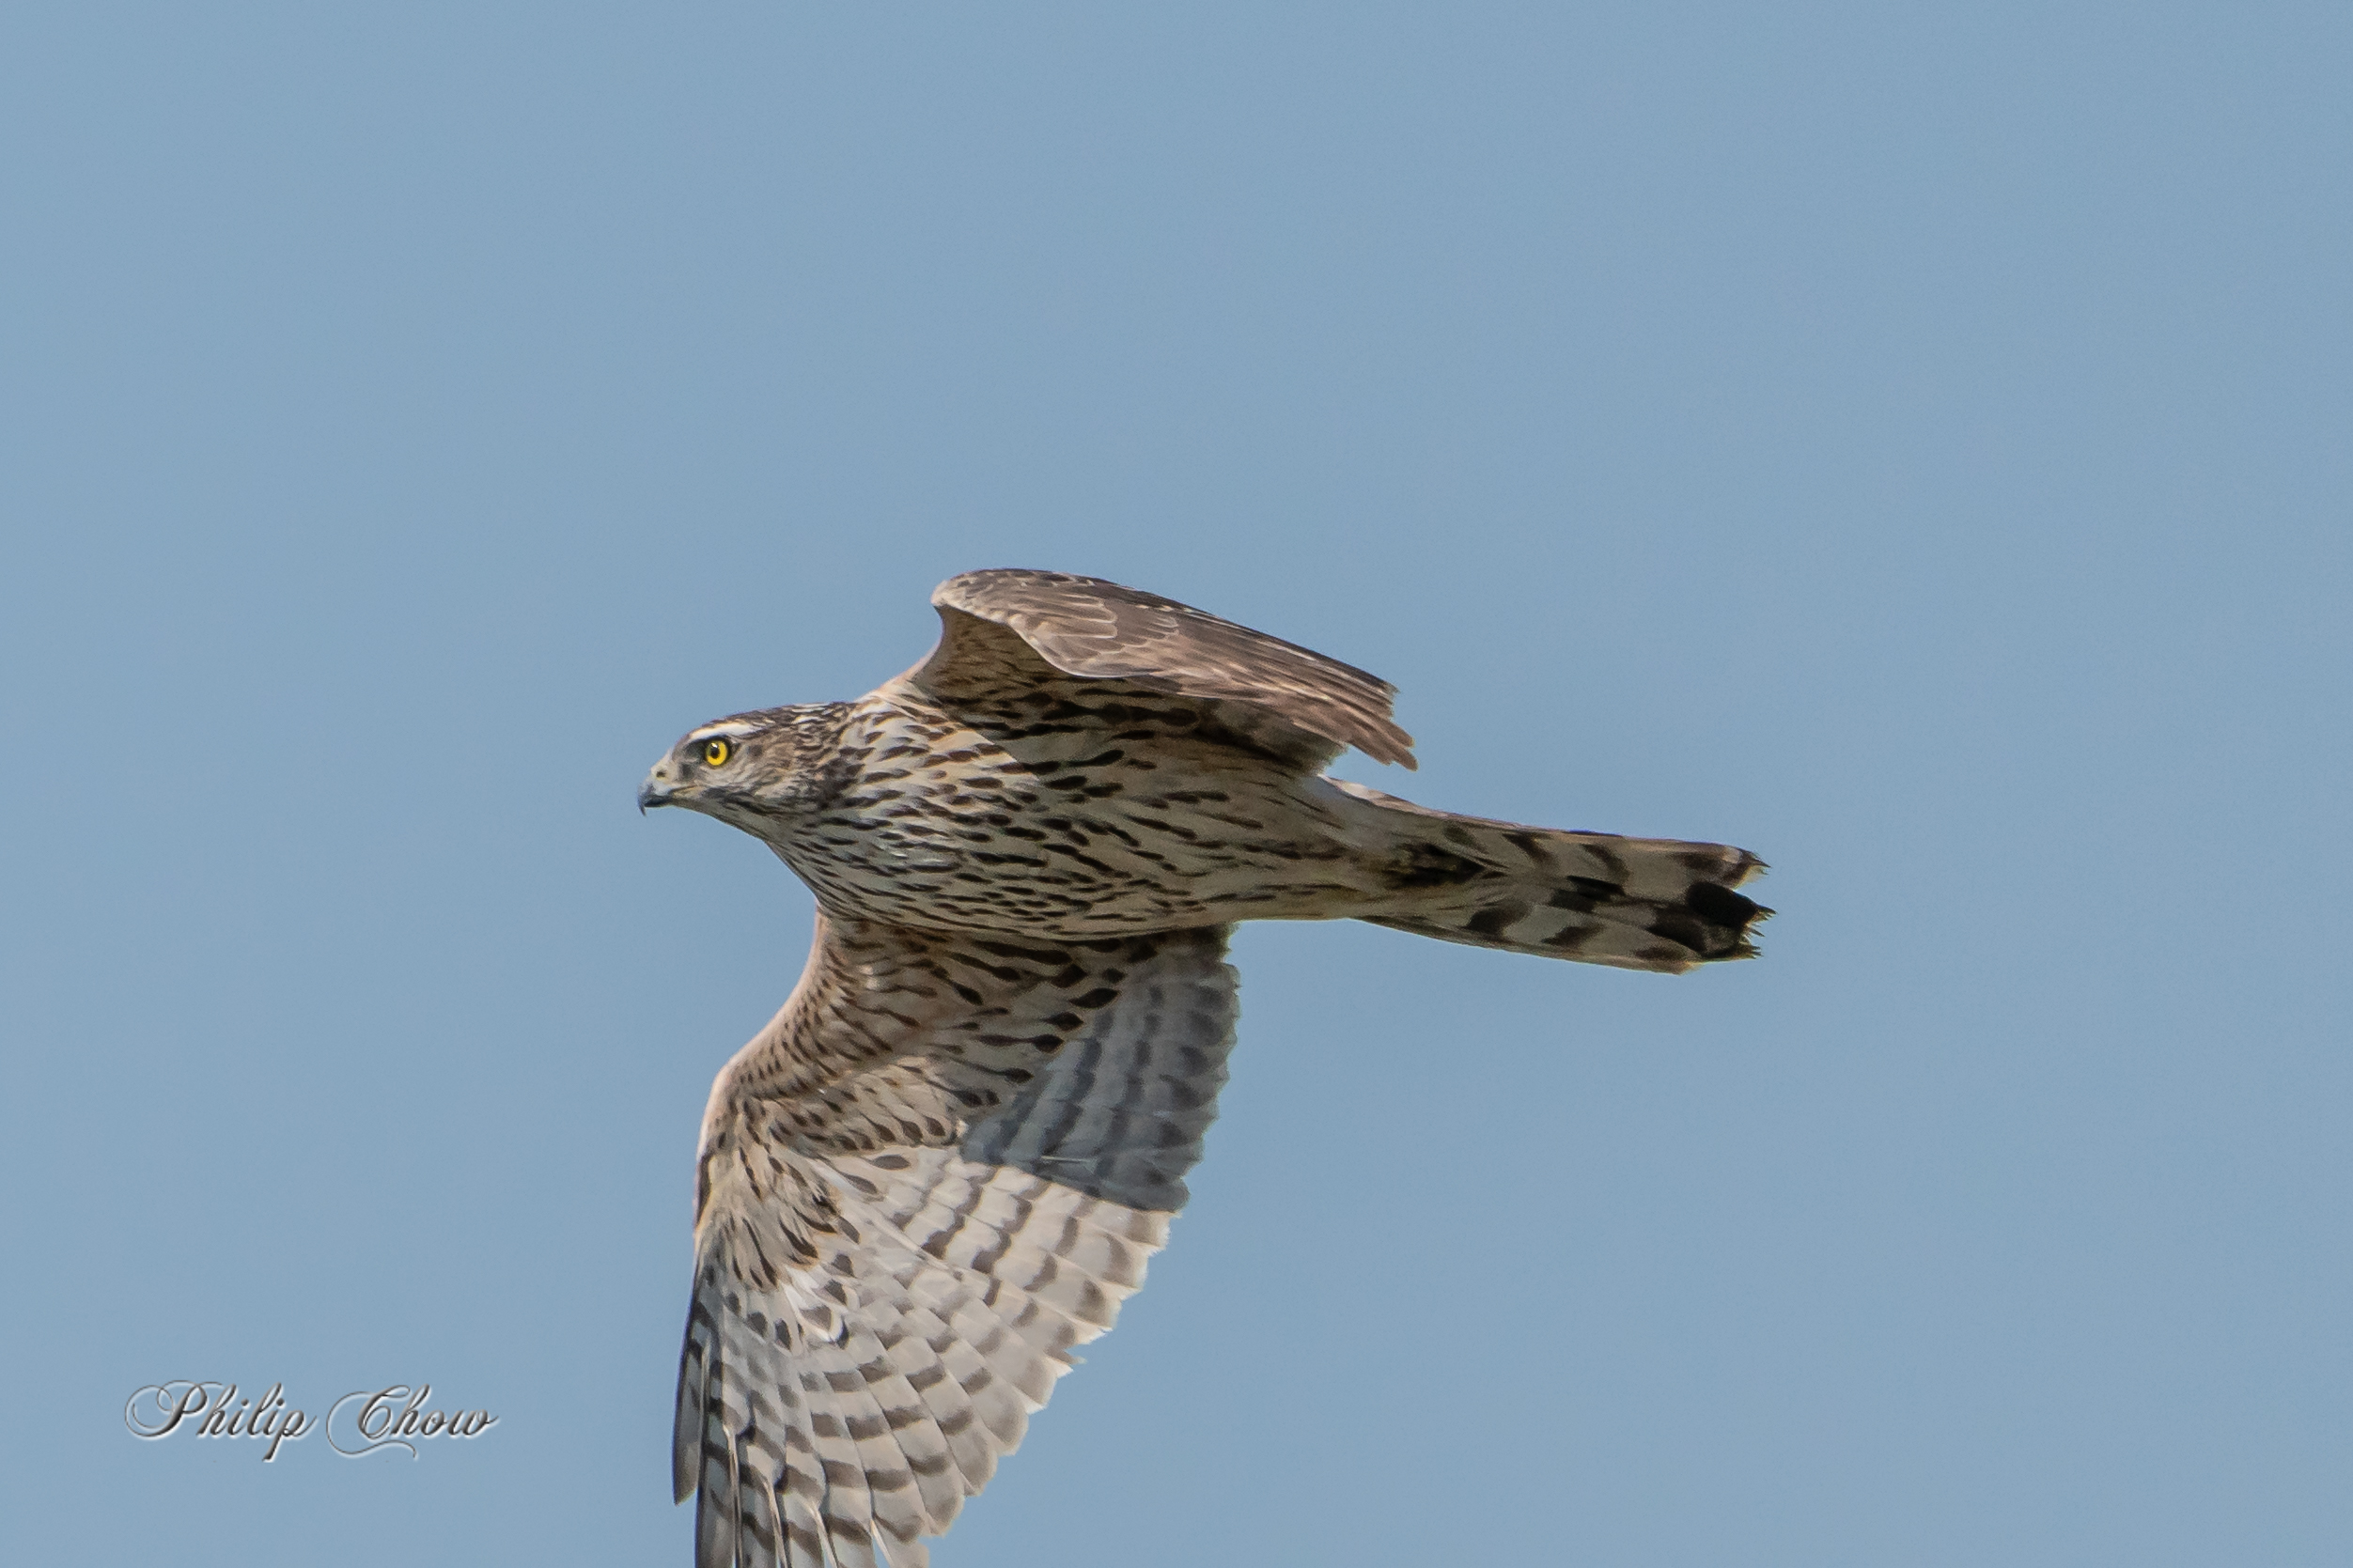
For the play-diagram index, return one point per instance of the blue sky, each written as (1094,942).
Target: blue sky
(1911,443)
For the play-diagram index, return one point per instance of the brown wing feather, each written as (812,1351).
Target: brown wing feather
(1098,631)
(941,1166)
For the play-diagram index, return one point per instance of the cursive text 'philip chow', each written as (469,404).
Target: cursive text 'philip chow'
(365,1421)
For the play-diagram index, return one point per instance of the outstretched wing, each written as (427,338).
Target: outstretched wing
(941,1166)
(1299,701)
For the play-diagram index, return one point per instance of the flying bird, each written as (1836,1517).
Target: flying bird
(945,1161)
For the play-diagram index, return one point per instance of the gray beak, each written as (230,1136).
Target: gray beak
(655,791)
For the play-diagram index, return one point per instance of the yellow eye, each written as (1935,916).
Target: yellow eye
(715,753)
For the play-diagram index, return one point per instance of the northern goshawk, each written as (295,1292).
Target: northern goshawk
(945,1161)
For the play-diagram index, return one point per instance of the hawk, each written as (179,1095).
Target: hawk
(945,1161)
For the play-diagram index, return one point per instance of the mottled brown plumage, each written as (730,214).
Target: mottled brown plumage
(945,1161)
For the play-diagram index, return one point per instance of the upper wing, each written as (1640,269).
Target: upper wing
(1300,701)
(941,1166)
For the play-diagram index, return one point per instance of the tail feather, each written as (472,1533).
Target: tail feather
(1651,904)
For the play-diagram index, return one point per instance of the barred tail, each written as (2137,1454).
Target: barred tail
(1632,903)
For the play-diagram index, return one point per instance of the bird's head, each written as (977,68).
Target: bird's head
(757,771)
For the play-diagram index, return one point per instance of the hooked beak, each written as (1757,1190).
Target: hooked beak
(656,790)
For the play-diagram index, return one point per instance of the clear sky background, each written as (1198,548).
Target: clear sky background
(1911,441)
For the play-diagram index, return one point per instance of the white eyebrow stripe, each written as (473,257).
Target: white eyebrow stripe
(732,730)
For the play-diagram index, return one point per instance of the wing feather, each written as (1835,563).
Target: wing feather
(914,1206)
(1294,701)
